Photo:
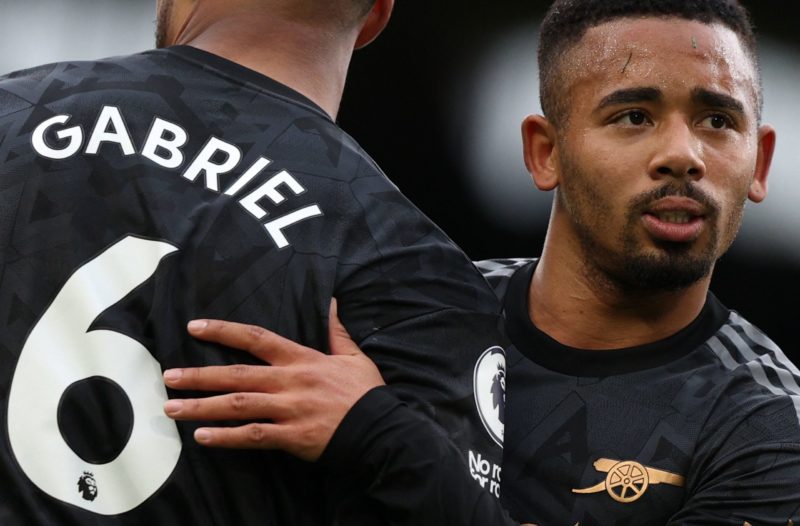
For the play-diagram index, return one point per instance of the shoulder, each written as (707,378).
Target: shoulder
(748,447)
(498,272)
(80,89)
(742,348)
(757,387)
(74,76)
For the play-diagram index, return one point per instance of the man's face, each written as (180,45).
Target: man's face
(659,150)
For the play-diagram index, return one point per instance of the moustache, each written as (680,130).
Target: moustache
(677,189)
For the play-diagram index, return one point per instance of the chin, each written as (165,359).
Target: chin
(669,272)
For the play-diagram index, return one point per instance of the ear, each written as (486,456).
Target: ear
(766,147)
(539,146)
(376,20)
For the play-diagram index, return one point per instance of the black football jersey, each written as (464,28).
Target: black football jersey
(139,192)
(699,428)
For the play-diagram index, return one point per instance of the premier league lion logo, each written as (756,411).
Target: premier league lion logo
(489,384)
(87,486)
(499,393)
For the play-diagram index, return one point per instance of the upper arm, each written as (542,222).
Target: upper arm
(747,467)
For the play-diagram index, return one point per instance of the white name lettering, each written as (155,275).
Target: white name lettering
(118,134)
(270,189)
(156,141)
(202,163)
(276,226)
(164,146)
(74,136)
(248,176)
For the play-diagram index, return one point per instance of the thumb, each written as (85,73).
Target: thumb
(339,340)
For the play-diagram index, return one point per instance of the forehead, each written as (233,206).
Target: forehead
(672,54)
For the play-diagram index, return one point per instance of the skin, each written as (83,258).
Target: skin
(662,124)
(639,143)
(306,45)
(310,44)
(303,392)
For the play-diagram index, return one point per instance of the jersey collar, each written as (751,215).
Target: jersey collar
(547,352)
(242,74)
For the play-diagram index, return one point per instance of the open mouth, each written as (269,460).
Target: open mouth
(674,226)
(675,217)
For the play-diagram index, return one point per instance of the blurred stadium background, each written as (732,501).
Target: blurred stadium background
(438,100)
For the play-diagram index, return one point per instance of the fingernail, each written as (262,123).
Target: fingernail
(197,325)
(202,435)
(173,406)
(173,375)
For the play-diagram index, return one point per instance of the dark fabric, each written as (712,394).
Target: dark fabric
(702,426)
(414,473)
(110,242)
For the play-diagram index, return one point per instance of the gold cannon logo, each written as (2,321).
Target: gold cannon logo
(627,480)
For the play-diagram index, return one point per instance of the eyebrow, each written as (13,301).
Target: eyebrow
(700,96)
(715,99)
(631,95)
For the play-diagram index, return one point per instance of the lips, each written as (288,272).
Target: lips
(675,219)
(678,217)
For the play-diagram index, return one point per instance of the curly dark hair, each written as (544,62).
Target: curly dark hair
(568,20)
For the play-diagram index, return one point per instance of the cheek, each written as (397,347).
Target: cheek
(591,184)
(731,196)
(735,200)
(613,167)
(600,179)
(731,177)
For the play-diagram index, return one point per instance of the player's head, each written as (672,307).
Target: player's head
(368,17)
(652,137)
(567,21)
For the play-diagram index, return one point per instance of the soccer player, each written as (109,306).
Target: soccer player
(208,179)
(635,396)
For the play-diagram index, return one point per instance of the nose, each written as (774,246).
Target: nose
(678,152)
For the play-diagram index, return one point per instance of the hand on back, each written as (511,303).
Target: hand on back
(304,393)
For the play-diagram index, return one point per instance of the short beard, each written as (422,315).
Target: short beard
(671,273)
(162,21)
(673,269)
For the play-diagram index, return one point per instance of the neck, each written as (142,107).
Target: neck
(570,304)
(311,60)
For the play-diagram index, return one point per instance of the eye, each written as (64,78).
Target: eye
(717,121)
(633,118)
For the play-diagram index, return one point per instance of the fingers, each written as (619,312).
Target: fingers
(233,406)
(239,377)
(260,342)
(250,436)
(261,436)
(304,393)
(339,339)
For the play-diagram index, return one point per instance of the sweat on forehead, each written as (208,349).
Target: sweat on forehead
(567,22)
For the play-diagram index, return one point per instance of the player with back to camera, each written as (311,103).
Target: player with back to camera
(208,179)
(636,397)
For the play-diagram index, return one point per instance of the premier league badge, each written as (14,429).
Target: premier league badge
(489,383)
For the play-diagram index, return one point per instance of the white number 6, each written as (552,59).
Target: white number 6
(59,352)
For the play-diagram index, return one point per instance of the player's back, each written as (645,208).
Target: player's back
(141,192)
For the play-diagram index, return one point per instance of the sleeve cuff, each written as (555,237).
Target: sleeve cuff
(369,419)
